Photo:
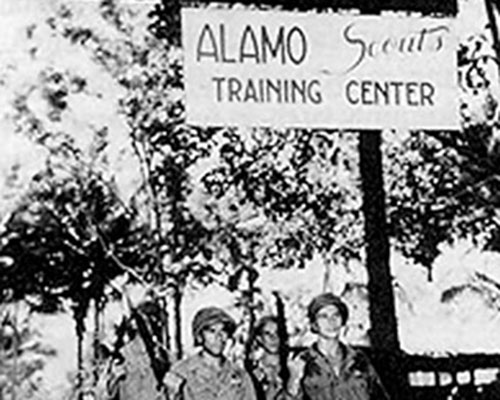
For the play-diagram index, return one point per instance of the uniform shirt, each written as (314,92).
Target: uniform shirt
(266,376)
(200,381)
(353,379)
(132,380)
(265,371)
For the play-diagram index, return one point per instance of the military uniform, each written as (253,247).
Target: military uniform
(265,372)
(194,379)
(131,380)
(353,379)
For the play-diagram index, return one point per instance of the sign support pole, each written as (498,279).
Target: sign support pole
(383,333)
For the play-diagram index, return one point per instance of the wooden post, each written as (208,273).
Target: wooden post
(383,333)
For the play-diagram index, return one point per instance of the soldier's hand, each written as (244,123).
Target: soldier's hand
(119,370)
(296,367)
(172,383)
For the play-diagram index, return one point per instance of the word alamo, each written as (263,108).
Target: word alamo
(258,45)
(266,90)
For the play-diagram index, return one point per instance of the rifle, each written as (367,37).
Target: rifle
(157,352)
(284,348)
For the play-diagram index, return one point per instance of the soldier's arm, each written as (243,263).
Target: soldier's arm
(248,387)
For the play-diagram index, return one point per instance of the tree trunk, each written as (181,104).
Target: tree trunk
(334,275)
(492,24)
(15,345)
(79,360)
(164,316)
(178,321)
(96,339)
(327,274)
(383,332)
(79,313)
(251,320)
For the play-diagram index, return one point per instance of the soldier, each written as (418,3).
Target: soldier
(209,375)
(134,368)
(266,368)
(334,370)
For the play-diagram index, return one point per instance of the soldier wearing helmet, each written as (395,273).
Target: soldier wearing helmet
(334,370)
(209,375)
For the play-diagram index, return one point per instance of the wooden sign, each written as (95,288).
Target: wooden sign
(310,70)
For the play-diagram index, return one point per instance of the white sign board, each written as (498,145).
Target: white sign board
(310,70)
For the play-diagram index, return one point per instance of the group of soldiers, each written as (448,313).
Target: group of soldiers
(327,370)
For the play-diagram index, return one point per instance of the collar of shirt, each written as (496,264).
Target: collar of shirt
(347,363)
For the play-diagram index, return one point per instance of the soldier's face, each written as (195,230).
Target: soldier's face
(329,322)
(214,338)
(269,338)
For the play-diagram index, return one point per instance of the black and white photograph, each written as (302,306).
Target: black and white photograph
(249,200)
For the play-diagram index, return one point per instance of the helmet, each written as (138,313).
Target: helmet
(208,316)
(327,299)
